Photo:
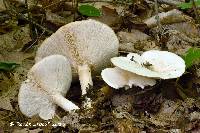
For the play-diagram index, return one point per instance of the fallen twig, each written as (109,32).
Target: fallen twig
(36,40)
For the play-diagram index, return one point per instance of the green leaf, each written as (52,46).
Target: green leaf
(188,5)
(8,66)
(89,11)
(185,5)
(192,56)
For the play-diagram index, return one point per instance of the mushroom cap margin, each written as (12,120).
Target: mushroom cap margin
(53,71)
(167,65)
(91,42)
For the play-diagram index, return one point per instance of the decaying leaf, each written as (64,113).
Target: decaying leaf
(5,103)
(56,19)
(136,41)
(125,126)
(173,112)
(2,6)
(15,39)
(122,111)
(173,16)
(26,130)
(109,16)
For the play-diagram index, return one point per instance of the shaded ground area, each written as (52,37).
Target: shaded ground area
(169,106)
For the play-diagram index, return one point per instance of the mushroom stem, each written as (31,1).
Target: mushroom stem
(63,102)
(85,77)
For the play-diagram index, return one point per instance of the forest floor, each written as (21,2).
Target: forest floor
(171,106)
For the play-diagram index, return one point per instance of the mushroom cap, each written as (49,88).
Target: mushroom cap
(82,42)
(118,78)
(153,63)
(50,76)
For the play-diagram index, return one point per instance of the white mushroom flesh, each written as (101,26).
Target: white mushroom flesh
(33,102)
(86,42)
(153,63)
(48,81)
(118,78)
(83,42)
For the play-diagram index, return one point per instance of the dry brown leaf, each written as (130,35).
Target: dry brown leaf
(170,17)
(15,39)
(26,130)
(136,40)
(109,16)
(15,56)
(2,6)
(5,104)
(58,20)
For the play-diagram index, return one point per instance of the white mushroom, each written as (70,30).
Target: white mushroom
(48,81)
(153,63)
(88,44)
(118,78)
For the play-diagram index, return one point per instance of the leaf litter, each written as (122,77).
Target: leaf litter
(154,109)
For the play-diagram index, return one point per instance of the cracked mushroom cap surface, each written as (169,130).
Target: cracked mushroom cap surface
(153,63)
(118,78)
(83,42)
(50,76)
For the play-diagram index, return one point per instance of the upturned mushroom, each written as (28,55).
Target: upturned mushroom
(48,81)
(143,70)
(89,45)
(153,64)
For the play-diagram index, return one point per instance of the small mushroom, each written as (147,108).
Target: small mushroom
(48,81)
(153,63)
(88,44)
(118,78)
